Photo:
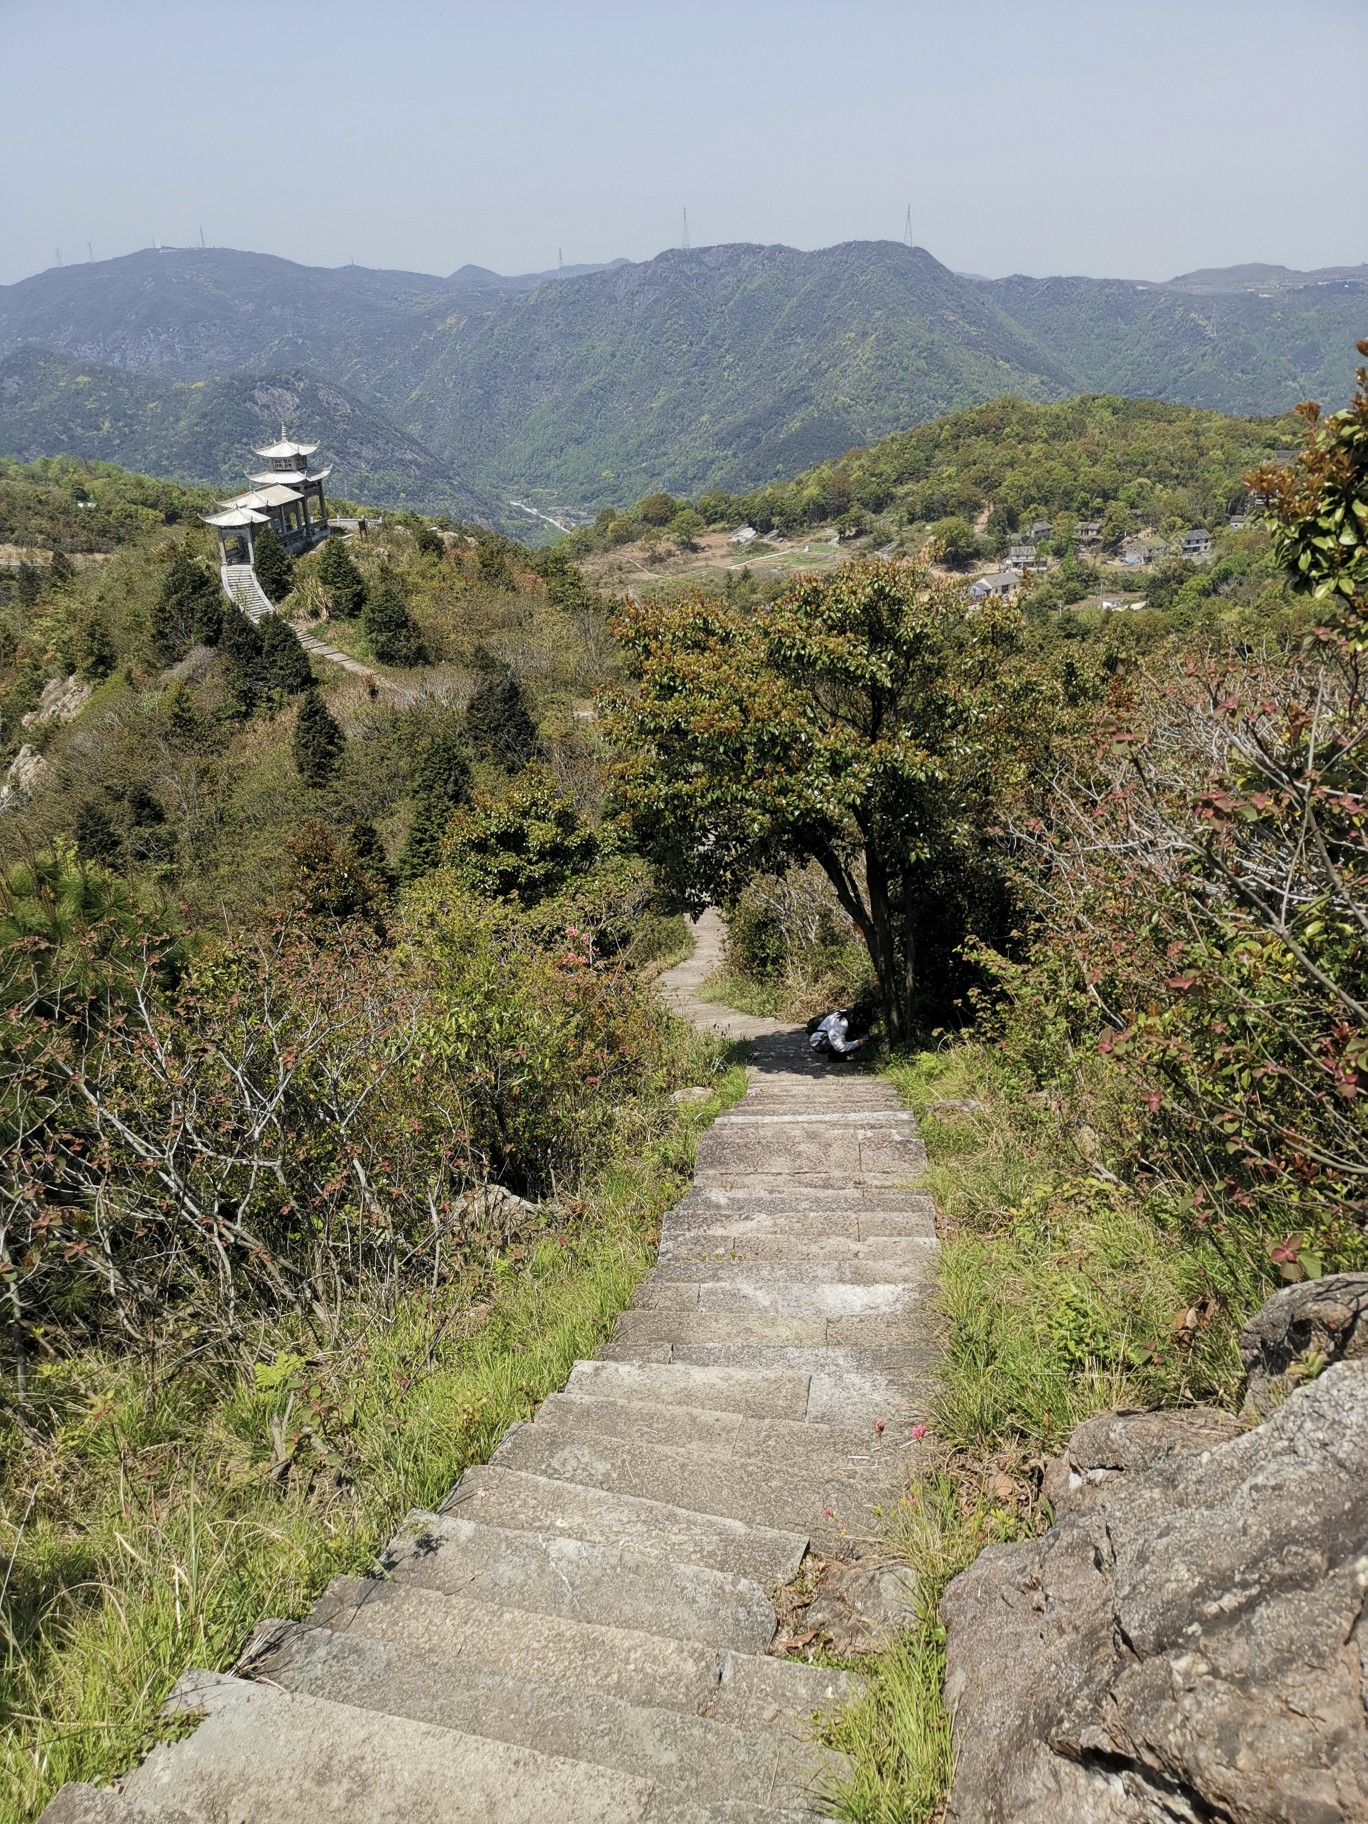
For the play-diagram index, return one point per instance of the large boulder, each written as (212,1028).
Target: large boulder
(1186,1641)
(1300,1331)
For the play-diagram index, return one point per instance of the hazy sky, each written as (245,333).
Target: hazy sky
(1136,138)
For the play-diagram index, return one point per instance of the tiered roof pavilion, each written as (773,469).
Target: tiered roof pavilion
(280,497)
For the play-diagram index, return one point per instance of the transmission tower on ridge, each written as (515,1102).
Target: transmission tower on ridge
(907,228)
(686,231)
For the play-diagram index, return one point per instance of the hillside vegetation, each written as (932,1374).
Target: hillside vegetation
(337,1107)
(205,430)
(724,367)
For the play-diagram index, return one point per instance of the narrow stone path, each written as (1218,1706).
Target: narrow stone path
(585,1632)
(241,586)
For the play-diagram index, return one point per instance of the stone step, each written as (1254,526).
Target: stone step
(693,1253)
(756,1393)
(819,1505)
(695,1757)
(845,1386)
(275,1758)
(496,1496)
(735,1227)
(744,1690)
(901,1263)
(896,1330)
(753,1290)
(790,1198)
(543,1574)
(779,1443)
(886,1150)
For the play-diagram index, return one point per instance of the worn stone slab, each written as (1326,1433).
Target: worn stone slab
(799,1499)
(262,1754)
(790,1196)
(763,1393)
(780,1443)
(547,1575)
(504,1497)
(695,1757)
(745,1690)
(693,1255)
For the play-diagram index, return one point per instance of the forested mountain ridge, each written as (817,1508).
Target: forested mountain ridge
(723,367)
(204,431)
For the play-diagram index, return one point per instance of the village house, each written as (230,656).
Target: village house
(1038,529)
(1197,542)
(1088,532)
(1019,556)
(1000,583)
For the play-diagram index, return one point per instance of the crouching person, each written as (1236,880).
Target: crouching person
(837,1036)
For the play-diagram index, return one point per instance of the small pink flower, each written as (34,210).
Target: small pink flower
(826,1513)
(879,1426)
(918,1433)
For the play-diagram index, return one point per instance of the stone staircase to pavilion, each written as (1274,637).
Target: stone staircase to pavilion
(584,1633)
(240,585)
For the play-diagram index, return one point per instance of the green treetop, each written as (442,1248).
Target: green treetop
(273,565)
(866,720)
(342,582)
(318,743)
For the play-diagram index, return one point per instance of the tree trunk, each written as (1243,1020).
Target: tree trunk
(883,949)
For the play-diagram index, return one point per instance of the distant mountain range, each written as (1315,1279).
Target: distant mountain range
(724,366)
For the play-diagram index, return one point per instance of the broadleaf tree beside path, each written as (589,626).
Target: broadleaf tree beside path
(869,720)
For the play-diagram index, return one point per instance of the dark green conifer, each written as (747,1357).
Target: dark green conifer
(94,832)
(342,581)
(285,664)
(394,638)
(441,783)
(499,723)
(318,742)
(189,607)
(240,644)
(273,565)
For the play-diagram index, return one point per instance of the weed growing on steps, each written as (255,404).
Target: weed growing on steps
(1065,1293)
(174,1508)
(897,1733)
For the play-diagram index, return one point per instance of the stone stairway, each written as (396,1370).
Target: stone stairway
(584,1633)
(240,585)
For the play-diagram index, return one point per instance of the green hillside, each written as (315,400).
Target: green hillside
(204,430)
(726,367)
(1159,463)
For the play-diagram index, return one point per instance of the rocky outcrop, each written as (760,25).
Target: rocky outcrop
(1185,1642)
(62,700)
(27,771)
(1300,1331)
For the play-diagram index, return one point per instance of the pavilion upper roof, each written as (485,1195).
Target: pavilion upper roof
(285,448)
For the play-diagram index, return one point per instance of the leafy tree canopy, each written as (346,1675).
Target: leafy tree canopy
(867,720)
(525,843)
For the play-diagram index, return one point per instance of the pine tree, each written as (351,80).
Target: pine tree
(389,627)
(499,723)
(285,664)
(240,644)
(441,783)
(342,581)
(273,565)
(318,742)
(189,607)
(94,833)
